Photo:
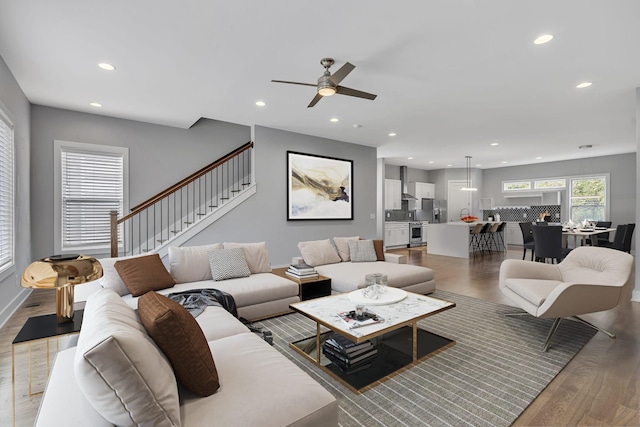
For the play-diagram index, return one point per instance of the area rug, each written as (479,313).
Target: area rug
(492,373)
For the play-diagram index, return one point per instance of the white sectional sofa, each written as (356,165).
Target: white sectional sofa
(259,295)
(347,260)
(117,375)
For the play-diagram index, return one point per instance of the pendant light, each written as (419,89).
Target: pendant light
(468,187)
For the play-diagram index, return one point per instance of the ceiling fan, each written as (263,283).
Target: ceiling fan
(328,84)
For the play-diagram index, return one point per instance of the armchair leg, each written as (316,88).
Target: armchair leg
(553,330)
(607,333)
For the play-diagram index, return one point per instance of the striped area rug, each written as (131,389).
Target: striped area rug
(492,373)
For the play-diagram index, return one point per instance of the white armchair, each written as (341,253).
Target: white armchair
(588,280)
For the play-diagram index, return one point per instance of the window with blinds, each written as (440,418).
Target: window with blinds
(92,185)
(6,193)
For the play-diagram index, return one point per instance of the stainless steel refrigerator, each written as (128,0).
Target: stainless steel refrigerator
(434,211)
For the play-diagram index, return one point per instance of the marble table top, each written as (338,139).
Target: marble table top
(411,309)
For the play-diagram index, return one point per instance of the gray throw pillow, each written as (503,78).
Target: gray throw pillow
(228,264)
(362,251)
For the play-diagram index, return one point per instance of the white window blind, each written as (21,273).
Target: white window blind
(6,194)
(92,186)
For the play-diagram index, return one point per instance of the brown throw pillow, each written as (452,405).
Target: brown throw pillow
(378,245)
(180,338)
(144,274)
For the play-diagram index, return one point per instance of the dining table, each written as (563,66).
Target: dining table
(583,233)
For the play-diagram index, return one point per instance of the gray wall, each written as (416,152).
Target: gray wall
(264,216)
(622,185)
(17,107)
(159,156)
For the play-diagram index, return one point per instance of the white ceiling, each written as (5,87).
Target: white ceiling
(452,76)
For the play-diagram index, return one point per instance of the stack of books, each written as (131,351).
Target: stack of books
(302,271)
(348,356)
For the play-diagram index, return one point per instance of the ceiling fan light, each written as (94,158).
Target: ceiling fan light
(327,91)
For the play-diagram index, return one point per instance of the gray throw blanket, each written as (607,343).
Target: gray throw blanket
(196,300)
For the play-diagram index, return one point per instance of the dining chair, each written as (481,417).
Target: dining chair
(618,239)
(548,243)
(626,243)
(527,239)
(602,239)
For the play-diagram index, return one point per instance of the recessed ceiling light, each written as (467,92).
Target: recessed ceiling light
(392,134)
(538,158)
(504,161)
(543,39)
(334,120)
(261,103)
(449,166)
(583,85)
(431,162)
(106,66)
(585,147)
(495,143)
(409,158)
(478,165)
(95,104)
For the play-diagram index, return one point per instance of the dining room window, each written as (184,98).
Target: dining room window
(588,198)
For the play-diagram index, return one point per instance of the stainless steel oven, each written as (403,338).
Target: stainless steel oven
(415,234)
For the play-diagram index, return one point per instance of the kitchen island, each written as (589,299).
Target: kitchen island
(450,238)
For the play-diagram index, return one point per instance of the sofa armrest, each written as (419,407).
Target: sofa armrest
(395,258)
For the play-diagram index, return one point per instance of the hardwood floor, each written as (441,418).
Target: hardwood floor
(599,387)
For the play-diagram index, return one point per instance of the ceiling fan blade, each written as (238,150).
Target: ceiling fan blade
(315,100)
(295,83)
(343,72)
(357,93)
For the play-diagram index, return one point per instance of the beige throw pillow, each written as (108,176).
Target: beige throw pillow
(318,252)
(255,254)
(120,370)
(342,244)
(191,263)
(362,251)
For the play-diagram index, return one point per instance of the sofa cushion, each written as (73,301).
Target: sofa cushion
(318,252)
(228,264)
(180,338)
(379,247)
(256,380)
(256,255)
(349,276)
(144,274)
(362,251)
(191,263)
(342,246)
(535,291)
(120,370)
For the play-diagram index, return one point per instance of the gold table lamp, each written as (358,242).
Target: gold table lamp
(62,273)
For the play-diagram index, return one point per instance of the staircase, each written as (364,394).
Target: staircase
(187,207)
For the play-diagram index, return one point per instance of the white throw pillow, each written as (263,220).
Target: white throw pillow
(362,251)
(256,255)
(110,278)
(119,368)
(228,264)
(342,245)
(318,252)
(191,263)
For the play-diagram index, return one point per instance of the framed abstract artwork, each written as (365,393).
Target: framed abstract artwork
(318,187)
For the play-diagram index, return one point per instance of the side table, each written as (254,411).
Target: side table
(39,328)
(308,288)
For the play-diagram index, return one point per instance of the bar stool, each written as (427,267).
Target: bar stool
(474,241)
(491,236)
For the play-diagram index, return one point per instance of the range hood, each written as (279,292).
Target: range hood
(404,183)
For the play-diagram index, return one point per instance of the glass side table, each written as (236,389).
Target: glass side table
(38,329)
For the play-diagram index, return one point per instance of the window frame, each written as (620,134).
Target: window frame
(95,149)
(607,204)
(9,268)
(520,181)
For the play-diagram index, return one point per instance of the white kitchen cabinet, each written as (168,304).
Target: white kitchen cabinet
(392,194)
(513,234)
(424,232)
(396,234)
(421,190)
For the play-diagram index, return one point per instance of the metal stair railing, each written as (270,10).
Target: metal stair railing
(162,217)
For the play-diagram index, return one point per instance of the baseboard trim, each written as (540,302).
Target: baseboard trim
(13,305)
(635,296)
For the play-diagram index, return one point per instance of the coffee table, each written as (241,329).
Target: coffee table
(401,344)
